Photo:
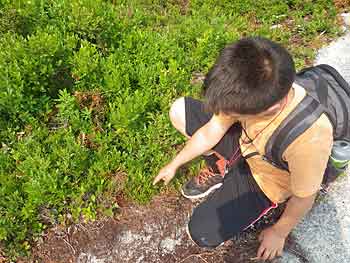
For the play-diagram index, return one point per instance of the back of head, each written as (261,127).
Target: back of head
(248,77)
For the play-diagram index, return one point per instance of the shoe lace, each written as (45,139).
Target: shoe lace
(204,175)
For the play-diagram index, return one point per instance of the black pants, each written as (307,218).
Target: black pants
(238,203)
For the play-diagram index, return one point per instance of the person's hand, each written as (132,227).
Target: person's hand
(166,174)
(271,245)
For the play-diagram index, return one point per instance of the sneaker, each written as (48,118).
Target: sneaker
(203,240)
(202,185)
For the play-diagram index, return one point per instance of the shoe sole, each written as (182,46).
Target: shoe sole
(211,189)
(190,237)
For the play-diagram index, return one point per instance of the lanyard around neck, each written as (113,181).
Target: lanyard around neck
(237,154)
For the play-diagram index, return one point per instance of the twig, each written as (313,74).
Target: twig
(198,255)
(69,244)
(83,228)
(203,259)
(298,254)
(98,227)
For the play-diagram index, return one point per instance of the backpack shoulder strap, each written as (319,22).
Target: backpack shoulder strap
(327,92)
(297,122)
(336,75)
(339,100)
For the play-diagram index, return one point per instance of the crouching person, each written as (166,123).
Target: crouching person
(248,93)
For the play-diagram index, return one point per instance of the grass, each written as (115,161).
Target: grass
(86,85)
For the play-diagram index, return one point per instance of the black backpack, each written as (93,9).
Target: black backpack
(326,92)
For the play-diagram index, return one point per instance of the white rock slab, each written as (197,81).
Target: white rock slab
(337,54)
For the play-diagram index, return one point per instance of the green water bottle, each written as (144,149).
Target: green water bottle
(340,155)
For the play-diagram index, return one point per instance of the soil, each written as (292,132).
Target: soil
(149,234)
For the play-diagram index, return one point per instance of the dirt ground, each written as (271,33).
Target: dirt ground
(149,234)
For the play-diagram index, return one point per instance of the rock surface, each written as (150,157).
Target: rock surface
(337,54)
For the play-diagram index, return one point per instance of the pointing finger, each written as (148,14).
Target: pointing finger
(156,180)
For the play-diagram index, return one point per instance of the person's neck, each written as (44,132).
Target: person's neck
(284,103)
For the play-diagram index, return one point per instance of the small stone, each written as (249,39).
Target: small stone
(168,245)
(346,19)
(276,26)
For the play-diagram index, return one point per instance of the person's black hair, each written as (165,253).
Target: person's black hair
(248,77)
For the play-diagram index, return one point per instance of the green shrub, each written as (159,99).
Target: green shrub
(85,87)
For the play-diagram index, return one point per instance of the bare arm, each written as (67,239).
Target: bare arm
(203,140)
(295,210)
(273,238)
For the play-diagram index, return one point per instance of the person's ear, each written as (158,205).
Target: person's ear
(277,106)
(274,108)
